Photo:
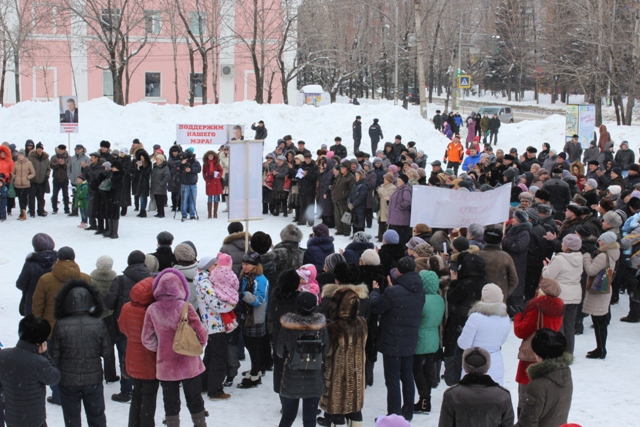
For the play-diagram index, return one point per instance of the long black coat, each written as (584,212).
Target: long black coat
(36,265)
(121,286)
(80,337)
(141,175)
(516,244)
(307,184)
(358,198)
(111,199)
(23,376)
(125,195)
(325,182)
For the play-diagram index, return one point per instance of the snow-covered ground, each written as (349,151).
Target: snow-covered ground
(605,391)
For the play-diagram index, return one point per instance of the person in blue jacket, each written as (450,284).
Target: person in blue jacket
(471,160)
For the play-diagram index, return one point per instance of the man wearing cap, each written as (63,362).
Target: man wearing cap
(105,151)
(624,158)
(302,148)
(573,148)
(261,131)
(437,121)
(91,173)
(494,127)
(40,182)
(499,265)
(60,165)
(342,186)
(74,168)
(530,159)
(375,134)
(633,177)
(559,193)
(454,154)
(307,191)
(338,149)
(476,400)
(356,127)
(398,148)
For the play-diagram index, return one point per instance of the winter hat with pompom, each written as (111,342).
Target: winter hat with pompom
(224,260)
(104,263)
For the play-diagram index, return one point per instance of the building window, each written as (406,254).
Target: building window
(110,19)
(153,21)
(197,23)
(196,84)
(107,83)
(152,85)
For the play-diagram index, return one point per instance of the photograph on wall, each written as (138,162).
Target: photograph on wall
(68,114)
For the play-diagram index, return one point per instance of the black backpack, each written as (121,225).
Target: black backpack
(307,355)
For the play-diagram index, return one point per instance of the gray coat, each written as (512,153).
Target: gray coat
(234,245)
(160,177)
(74,167)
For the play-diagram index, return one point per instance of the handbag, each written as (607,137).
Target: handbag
(186,341)
(105,185)
(346,218)
(12,191)
(601,282)
(152,205)
(287,183)
(525,352)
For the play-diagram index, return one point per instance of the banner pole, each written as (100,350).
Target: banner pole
(246,195)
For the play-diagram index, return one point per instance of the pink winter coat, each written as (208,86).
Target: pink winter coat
(308,273)
(171,290)
(226,284)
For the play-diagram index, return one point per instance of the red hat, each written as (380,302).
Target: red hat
(476,139)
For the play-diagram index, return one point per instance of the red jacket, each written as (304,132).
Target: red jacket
(525,324)
(6,164)
(214,184)
(140,363)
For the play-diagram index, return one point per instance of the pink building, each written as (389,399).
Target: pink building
(66,55)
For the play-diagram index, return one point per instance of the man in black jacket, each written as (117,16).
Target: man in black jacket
(398,148)
(79,340)
(494,126)
(375,133)
(339,149)
(357,134)
(91,172)
(437,121)
(164,254)
(189,169)
(559,192)
(261,131)
(25,371)
(307,191)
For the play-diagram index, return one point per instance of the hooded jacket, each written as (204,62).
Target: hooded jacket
(40,166)
(431,317)
(234,245)
(318,249)
(140,362)
(566,269)
(80,337)
(171,291)
(6,164)
(36,265)
(23,172)
(399,307)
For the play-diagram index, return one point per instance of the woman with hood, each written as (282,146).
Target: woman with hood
(325,182)
(319,247)
(141,184)
(544,153)
(37,264)
(140,362)
(160,177)
(604,138)
(597,304)
(566,268)
(212,172)
(425,373)
(6,169)
(355,249)
(171,291)
(344,371)
(488,327)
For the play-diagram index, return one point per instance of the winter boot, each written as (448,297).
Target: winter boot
(209,205)
(172,421)
(100,229)
(23,215)
(107,232)
(143,214)
(265,208)
(123,211)
(250,382)
(115,223)
(276,209)
(199,419)
(285,212)
(215,209)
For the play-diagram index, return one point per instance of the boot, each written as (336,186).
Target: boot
(209,204)
(215,209)
(23,215)
(142,214)
(265,208)
(115,223)
(123,211)
(226,209)
(276,209)
(285,212)
(172,421)
(107,232)
(199,419)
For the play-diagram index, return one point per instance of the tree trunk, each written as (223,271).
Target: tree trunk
(432,58)
(332,95)
(3,76)
(16,76)
(174,42)
(205,75)
(192,80)
(117,77)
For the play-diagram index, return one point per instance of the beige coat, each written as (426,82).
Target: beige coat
(566,269)
(598,304)
(23,171)
(385,190)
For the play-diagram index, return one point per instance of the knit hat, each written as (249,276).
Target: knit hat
(184,253)
(614,189)
(106,165)
(521,216)
(617,171)
(583,231)
(414,241)
(152,263)
(291,233)
(164,238)
(104,263)
(136,257)
(592,183)
(548,344)
(252,258)
(573,242)
(423,250)
(300,157)
(391,237)
(607,237)
(370,257)
(389,177)
(261,242)
(533,214)
(42,242)
(361,237)
(65,253)
(492,293)
(306,303)
(206,262)
(392,420)
(406,265)
(39,145)
(321,230)
(613,219)
(493,236)
(33,330)
(476,360)
(116,153)
(550,287)
(332,260)
(461,244)
(224,260)
(235,227)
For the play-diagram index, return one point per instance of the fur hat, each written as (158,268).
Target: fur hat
(461,243)
(164,238)
(261,242)
(525,195)
(321,230)
(608,237)
(391,237)
(105,144)
(206,262)
(476,360)
(306,303)
(492,293)
(521,216)
(346,274)
(548,344)
(550,287)
(42,242)
(252,258)
(370,257)
(33,330)
(403,177)
(104,263)
(613,219)
(235,227)
(543,194)
(493,236)
(152,263)
(224,260)
(291,233)
(406,265)
(136,257)
(65,253)
(573,242)
(184,253)
(423,250)
(287,285)
(361,237)
(389,177)
(331,261)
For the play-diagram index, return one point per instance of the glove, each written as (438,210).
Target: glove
(512,310)
(350,206)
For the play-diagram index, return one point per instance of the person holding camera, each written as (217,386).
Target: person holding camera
(189,168)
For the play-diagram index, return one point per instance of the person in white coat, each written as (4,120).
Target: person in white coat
(488,327)
(566,269)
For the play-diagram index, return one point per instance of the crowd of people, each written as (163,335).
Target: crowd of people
(437,304)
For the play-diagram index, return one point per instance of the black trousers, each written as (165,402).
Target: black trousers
(493,136)
(600,327)
(290,411)
(307,209)
(36,197)
(424,373)
(57,187)
(161,202)
(356,146)
(374,147)
(368,217)
(192,393)
(175,201)
(22,194)
(454,166)
(254,345)
(143,403)
(215,364)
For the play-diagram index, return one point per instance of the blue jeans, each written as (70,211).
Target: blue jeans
(189,194)
(126,384)
(143,202)
(396,370)
(290,411)
(211,199)
(92,397)
(83,215)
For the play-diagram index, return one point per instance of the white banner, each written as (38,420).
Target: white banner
(245,180)
(208,134)
(68,115)
(586,124)
(444,208)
